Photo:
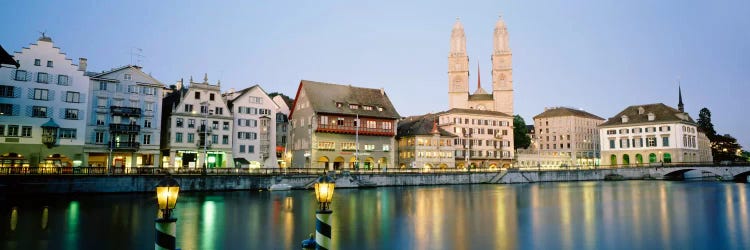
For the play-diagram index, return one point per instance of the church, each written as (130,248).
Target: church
(500,97)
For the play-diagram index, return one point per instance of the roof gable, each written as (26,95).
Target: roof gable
(336,99)
(639,114)
(563,111)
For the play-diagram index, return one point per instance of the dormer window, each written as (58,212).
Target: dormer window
(641,110)
(365,107)
(353,106)
(624,118)
(339,105)
(651,116)
(380,109)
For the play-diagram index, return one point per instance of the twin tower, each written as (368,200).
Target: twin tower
(501,97)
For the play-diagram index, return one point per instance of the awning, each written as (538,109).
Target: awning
(241,161)
(5,58)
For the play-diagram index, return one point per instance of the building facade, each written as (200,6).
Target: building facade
(340,126)
(123,130)
(649,134)
(484,138)
(197,127)
(42,109)
(422,144)
(570,133)
(254,128)
(500,98)
(282,131)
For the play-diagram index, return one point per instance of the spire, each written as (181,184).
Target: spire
(205,77)
(680,105)
(479,77)
(458,38)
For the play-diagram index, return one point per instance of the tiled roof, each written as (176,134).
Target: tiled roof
(563,111)
(480,96)
(324,97)
(420,125)
(476,112)
(662,113)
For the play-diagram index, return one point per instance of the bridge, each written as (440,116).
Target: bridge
(737,173)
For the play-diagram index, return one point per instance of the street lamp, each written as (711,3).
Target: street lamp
(324,195)
(167,192)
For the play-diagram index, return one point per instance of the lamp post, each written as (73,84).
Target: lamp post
(324,195)
(167,192)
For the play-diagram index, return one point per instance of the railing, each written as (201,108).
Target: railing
(342,129)
(124,145)
(124,128)
(125,111)
(304,171)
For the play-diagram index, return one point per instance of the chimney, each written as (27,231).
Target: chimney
(382,92)
(82,63)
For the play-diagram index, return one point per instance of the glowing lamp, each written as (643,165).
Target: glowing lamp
(167,192)
(324,192)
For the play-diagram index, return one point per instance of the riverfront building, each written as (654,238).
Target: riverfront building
(282,130)
(43,110)
(337,126)
(197,127)
(422,144)
(650,133)
(485,138)
(570,133)
(254,129)
(124,127)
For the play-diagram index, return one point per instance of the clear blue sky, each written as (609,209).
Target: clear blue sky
(601,56)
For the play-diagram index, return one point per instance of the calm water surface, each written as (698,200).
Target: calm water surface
(581,215)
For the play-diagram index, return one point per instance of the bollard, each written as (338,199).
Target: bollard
(323,229)
(166,234)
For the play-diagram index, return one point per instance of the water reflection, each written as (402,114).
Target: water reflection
(586,215)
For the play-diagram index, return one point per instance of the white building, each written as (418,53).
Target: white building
(254,130)
(197,127)
(282,131)
(124,125)
(46,90)
(650,133)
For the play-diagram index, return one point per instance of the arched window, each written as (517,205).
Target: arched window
(638,159)
(613,160)
(625,159)
(652,158)
(667,158)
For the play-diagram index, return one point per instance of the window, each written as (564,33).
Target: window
(371,124)
(178,137)
(242,148)
(127,77)
(41,94)
(367,107)
(146,139)
(100,118)
(211,96)
(39,111)
(197,95)
(99,137)
(149,106)
(651,142)
(251,149)
(41,77)
(26,131)
(190,137)
(353,106)
(62,80)
(611,132)
(323,120)
(611,143)
(73,97)
(102,86)
(665,141)
(146,123)
(215,125)
(135,89)
(188,108)
(387,125)
(386,147)
(2,130)
(49,64)
(191,123)
(224,139)
(67,133)
(37,62)
(219,111)
(149,90)
(20,75)
(6,91)
(340,121)
(71,114)
(215,139)
(204,109)
(255,99)
(12,130)
(225,126)
(101,102)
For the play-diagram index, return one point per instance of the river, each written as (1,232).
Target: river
(572,215)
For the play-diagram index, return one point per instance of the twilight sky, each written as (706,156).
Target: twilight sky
(597,55)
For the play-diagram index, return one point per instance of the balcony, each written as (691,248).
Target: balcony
(203,129)
(125,111)
(124,146)
(343,129)
(124,128)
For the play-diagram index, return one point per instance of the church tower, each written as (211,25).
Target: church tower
(458,68)
(502,72)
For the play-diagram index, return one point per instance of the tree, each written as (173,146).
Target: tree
(520,133)
(725,148)
(705,125)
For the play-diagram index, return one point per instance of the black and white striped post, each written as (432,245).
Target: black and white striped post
(324,194)
(167,192)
